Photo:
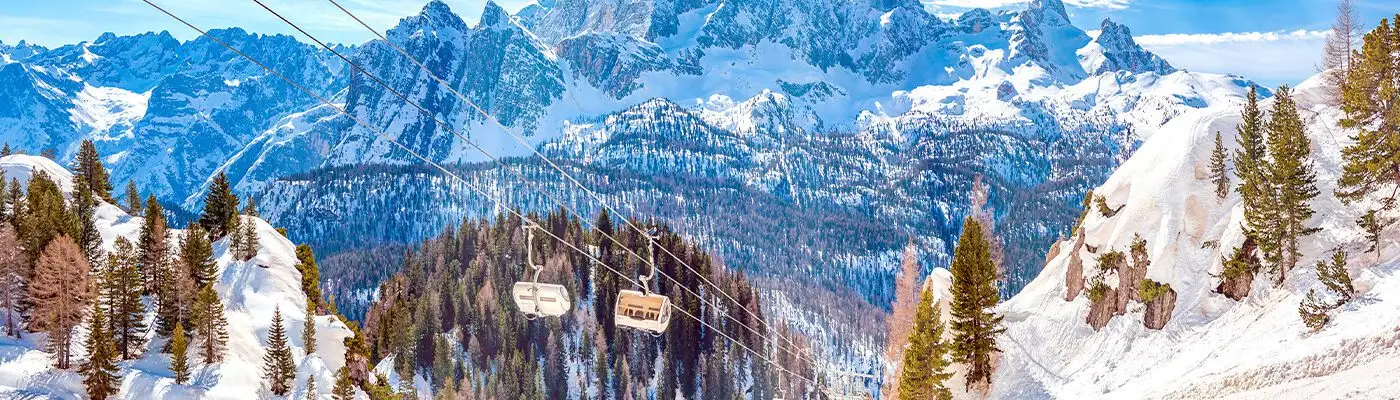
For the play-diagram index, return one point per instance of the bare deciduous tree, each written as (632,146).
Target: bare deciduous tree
(11,277)
(901,318)
(1338,51)
(60,293)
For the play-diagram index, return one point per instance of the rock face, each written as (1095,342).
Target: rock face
(1236,284)
(1159,310)
(1101,307)
(1074,278)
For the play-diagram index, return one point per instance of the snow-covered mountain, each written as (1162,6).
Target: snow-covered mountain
(250,291)
(1211,346)
(811,135)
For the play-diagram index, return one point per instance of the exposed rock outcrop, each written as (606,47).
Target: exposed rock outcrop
(1238,275)
(1074,277)
(1159,310)
(1102,303)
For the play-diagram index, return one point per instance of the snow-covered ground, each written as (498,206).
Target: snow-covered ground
(1213,347)
(250,292)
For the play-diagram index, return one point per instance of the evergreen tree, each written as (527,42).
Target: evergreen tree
(1335,277)
(1219,173)
(88,171)
(154,243)
(6,214)
(278,369)
(1293,180)
(1252,169)
(59,294)
(100,372)
(925,364)
(311,388)
(133,199)
(123,292)
(220,207)
(6,152)
(45,217)
(308,329)
(171,304)
(1314,311)
(239,243)
(179,355)
(49,153)
(310,276)
(197,256)
(207,315)
(85,209)
(13,272)
(250,208)
(1371,100)
(974,294)
(1373,224)
(344,386)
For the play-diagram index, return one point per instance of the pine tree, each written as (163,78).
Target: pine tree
(1293,180)
(974,294)
(278,369)
(6,152)
(220,207)
(344,386)
(238,244)
(308,329)
(123,298)
(100,372)
(1335,277)
(250,208)
(85,209)
(171,304)
(179,355)
(49,153)
(925,373)
(133,199)
(88,171)
(1256,193)
(197,256)
(154,243)
(1219,173)
(13,272)
(59,295)
(1373,224)
(1314,311)
(207,316)
(1371,100)
(310,275)
(45,217)
(311,388)
(6,213)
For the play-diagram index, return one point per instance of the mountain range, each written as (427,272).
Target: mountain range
(805,142)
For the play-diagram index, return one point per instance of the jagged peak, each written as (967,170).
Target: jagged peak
(1055,6)
(435,17)
(493,15)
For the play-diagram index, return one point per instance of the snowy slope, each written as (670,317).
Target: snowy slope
(250,291)
(1212,346)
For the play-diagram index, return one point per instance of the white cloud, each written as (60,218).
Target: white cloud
(1271,58)
(1109,4)
(1179,39)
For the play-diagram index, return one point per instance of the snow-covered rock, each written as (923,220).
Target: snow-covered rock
(1212,346)
(250,292)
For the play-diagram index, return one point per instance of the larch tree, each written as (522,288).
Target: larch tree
(211,328)
(974,294)
(59,294)
(179,354)
(278,368)
(344,386)
(172,303)
(900,322)
(100,372)
(980,207)
(220,208)
(1293,179)
(13,272)
(1338,50)
(124,285)
(925,374)
(1219,171)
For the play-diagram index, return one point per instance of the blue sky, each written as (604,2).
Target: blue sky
(1271,41)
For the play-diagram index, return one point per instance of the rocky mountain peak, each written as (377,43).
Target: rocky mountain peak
(1121,53)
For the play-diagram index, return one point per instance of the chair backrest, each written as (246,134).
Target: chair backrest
(638,310)
(541,299)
